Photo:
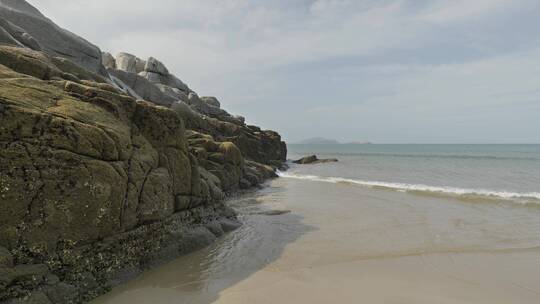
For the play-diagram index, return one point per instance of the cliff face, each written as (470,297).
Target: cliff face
(23,25)
(107,169)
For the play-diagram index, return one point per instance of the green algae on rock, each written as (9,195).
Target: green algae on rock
(104,172)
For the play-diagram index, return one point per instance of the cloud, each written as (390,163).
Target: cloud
(320,6)
(458,10)
(416,65)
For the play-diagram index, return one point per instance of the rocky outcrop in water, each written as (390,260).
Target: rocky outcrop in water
(108,165)
(313,159)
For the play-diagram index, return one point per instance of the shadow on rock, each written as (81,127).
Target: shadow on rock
(201,276)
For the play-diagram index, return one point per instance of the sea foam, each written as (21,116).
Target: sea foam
(523,198)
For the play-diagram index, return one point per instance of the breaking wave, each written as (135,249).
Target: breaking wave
(522,198)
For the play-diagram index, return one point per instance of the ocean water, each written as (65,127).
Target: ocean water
(386,224)
(482,172)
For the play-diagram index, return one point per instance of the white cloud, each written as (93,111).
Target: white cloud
(353,63)
(444,11)
(320,6)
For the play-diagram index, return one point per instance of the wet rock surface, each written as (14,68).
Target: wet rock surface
(274,212)
(106,172)
(313,159)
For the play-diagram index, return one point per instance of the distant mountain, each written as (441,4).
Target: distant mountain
(326,141)
(318,141)
(358,143)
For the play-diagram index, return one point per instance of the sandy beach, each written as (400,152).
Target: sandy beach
(269,152)
(434,278)
(505,277)
(342,243)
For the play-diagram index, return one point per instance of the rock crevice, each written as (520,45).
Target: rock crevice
(108,165)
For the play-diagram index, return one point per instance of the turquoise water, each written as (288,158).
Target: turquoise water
(507,172)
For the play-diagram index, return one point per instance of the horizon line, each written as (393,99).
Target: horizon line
(408,143)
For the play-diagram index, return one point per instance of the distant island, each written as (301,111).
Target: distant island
(326,141)
(318,141)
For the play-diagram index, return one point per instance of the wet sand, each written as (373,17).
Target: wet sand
(368,246)
(434,278)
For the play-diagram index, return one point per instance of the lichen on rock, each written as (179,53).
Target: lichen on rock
(108,166)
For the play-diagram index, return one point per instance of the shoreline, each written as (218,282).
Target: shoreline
(421,279)
(296,257)
(120,184)
(109,165)
(123,257)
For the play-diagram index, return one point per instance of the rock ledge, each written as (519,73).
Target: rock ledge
(108,166)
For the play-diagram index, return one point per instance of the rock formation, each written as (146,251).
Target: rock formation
(313,159)
(24,25)
(108,165)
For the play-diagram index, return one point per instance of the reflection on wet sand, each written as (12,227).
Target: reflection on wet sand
(348,244)
(200,277)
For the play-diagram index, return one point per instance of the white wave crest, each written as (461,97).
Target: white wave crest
(403,187)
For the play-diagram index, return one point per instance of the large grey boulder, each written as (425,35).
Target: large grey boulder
(172,92)
(22,6)
(124,87)
(194,99)
(185,110)
(129,63)
(139,65)
(195,102)
(168,80)
(206,106)
(39,30)
(126,62)
(6,37)
(151,76)
(156,72)
(142,87)
(155,66)
(212,101)
(149,80)
(238,119)
(174,82)
(11,34)
(108,60)
(192,119)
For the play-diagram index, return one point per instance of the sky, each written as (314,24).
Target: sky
(385,71)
